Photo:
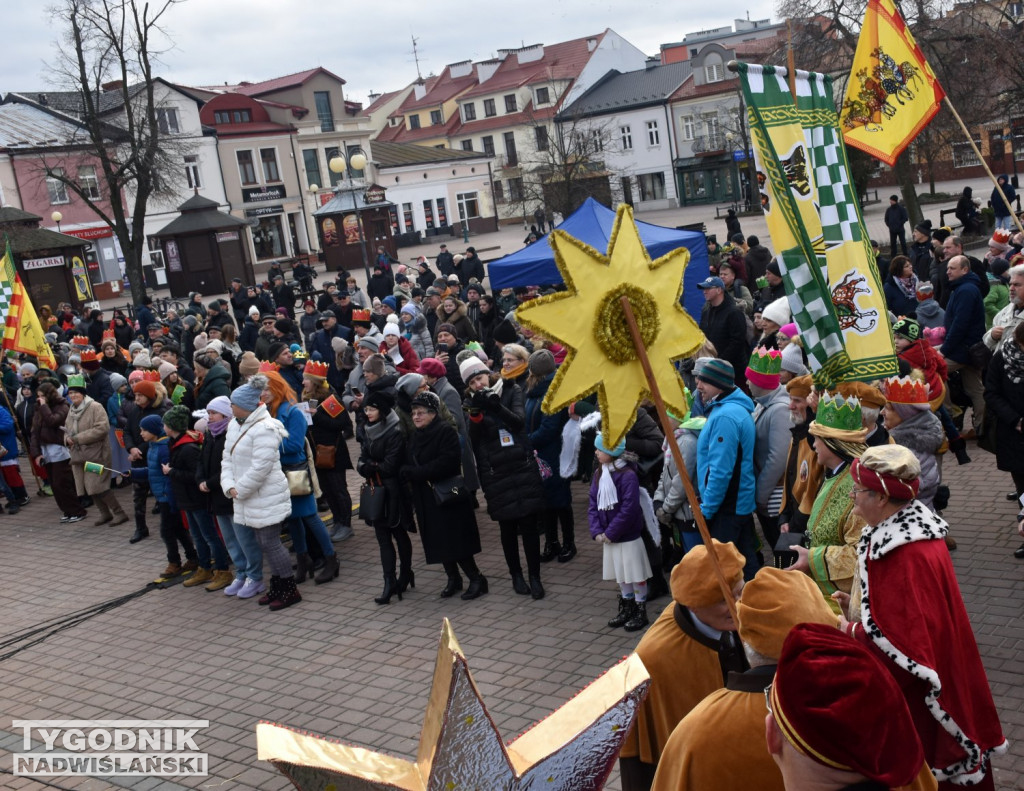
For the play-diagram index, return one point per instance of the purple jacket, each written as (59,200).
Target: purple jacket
(625,522)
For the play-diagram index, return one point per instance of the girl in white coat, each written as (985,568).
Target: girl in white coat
(252,477)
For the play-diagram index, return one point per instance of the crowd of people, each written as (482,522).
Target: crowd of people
(236,418)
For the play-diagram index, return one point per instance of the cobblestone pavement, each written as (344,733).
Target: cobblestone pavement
(340,665)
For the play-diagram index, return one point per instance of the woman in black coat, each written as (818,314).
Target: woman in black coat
(380,458)
(1004,399)
(327,432)
(507,469)
(449,532)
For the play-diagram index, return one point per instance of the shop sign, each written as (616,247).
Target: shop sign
(42,263)
(263,194)
(95,232)
(264,211)
(374,194)
(227,236)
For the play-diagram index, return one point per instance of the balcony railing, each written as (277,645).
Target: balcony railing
(708,144)
(507,161)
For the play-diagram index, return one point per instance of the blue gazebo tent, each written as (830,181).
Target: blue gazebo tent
(592,223)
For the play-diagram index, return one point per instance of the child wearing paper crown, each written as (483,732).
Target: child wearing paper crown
(617,521)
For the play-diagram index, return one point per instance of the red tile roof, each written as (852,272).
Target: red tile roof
(441,90)
(280,83)
(690,91)
(384,98)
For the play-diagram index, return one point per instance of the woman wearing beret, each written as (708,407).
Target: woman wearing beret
(449,532)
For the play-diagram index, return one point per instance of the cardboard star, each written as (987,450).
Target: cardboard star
(589,321)
(460,748)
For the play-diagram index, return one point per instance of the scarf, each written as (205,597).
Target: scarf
(78,410)
(607,494)
(218,427)
(514,373)
(908,285)
(1013,361)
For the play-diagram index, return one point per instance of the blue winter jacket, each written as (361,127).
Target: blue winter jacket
(159,453)
(727,437)
(8,437)
(965,318)
(293,452)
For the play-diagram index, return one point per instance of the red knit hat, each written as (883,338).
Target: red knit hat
(431,366)
(837,704)
(146,388)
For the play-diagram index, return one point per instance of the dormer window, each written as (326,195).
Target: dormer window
(714,69)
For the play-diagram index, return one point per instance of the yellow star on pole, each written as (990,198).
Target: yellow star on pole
(460,749)
(588,319)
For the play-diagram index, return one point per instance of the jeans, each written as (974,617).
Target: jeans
(1005,223)
(297,529)
(243,547)
(207,540)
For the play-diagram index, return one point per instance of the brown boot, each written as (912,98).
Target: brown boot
(116,511)
(189,565)
(200,577)
(172,570)
(221,579)
(101,506)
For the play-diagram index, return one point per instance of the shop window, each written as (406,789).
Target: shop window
(267,238)
(156,252)
(652,186)
(964,156)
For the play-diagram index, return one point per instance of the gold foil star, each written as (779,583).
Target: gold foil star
(460,748)
(588,319)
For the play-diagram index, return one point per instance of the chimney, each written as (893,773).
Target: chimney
(461,69)
(373,96)
(652,62)
(115,85)
(420,90)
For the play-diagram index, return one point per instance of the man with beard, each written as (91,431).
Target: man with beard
(803,472)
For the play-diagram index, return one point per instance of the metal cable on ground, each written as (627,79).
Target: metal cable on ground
(34,635)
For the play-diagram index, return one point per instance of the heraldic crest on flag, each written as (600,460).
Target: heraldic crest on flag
(815,223)
(892,93)
(23,332)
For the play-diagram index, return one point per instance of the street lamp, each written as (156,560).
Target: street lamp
(340,166)
(57,217)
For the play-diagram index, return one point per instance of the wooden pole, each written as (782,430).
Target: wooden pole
(677,457)
(790,59)
(984,164)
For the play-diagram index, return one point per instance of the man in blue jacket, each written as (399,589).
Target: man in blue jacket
(321,344)
(965,326)
(725,460)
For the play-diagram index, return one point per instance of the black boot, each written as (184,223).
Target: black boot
(287,595)
(568,552)
(1019,552)
(625,613)
(273,591)
(303,567)
(639,619)
(536,589)
(406,579)
(551,551)
(477,588)
(519,584)
(331,569)
(139,534)
(390,589)
(454,580)
(959,448)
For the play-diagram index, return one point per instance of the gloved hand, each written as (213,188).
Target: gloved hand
(663,516)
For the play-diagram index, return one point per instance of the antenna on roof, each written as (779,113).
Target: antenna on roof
(416,57)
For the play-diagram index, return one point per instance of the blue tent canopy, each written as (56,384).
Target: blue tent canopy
(592,223)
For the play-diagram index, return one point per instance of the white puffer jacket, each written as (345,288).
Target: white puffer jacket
(252,466)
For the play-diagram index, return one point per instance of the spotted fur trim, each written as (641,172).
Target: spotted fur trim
(913,523)
(916,523)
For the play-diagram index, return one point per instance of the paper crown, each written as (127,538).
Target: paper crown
(150,376)
(766,361)
(838,413)
(904,390)
(80,340)
(108,335)
(1001,237)
(315,368)
(361,316)
(88,356)
(267,367)
(76,380)
(300,355)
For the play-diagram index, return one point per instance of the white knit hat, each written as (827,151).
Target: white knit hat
(778,312)
(472,366)
(391,329)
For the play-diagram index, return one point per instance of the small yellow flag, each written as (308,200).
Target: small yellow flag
(23,332)
(892,92)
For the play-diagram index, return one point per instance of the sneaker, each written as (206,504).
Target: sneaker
(64,519)
(23,501)
(251,588)
(71,519)
(235,586)
(46,490)
(12,508)
(341,533)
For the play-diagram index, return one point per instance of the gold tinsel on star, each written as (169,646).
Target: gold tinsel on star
(460,748)
(588,320)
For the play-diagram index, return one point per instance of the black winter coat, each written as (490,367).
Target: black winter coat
(726,328)
(380,458)
(508,474)
(327,430)
(208,472)
(185,452)
(1005,400)
(132,415)
(449,533)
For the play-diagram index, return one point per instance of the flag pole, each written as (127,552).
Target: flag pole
(677,456)
(984,164)
(790,59)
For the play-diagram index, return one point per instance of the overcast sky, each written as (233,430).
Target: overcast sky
(368,44)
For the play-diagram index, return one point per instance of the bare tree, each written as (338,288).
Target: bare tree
(110,49)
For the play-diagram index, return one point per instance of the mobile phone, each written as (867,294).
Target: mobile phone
(356,392)
(442,348)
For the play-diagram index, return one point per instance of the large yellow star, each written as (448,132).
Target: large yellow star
(460,748)
(588,320)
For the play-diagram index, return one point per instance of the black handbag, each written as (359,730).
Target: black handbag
(451,491)
(372,501)
(979,356)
